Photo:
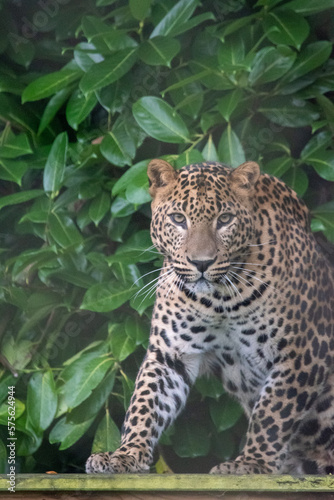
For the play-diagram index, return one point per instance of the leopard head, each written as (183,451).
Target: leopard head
(202,217)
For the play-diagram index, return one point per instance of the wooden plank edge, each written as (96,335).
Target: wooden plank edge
(168,482)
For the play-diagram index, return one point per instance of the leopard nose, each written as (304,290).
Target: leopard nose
(202,265)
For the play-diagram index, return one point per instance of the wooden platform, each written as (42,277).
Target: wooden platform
(167,486)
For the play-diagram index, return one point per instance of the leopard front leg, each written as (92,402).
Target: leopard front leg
(161,389)
(274,420)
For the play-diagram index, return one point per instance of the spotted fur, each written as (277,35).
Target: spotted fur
(245,294)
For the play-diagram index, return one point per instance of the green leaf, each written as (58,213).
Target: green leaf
(230,149)
(316,143)
(105,297)
(121,345)
(209,151)
(231,54)
(309,7)
(106,38)
(270,64)
(209,386)
(224,445)
(313,56)
(225,413)
(286,27)
(82,376)
(118,148)
(52,108)
(16,114)
(99,207)
(137,329)
(15,145)
(133,175)
(278,166)
(159,51)
(86,55)
(107,436)
(12,170)
(42,400)
(325,215)
(289,111)
(5,409)
(297,179)
(228,104)
(327,107)
(189,156)
(78,107)
(175,17)
(191,440)
(67,432)
(63,230)
(50,84)
(159,120)
(55,165)
(139,9)
(108,71)
(92,405)
(323,163)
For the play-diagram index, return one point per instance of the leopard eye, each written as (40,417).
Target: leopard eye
(178,219)
(224,220)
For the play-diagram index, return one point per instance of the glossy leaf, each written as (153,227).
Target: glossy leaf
(289,111)
(323,163)
(159,120)
(121,344)
(230,150)
(48,85)
(191,440)
(63,230)
(108,71)
(228,104)
(82,376)
(270,64)
(225,413)
(209,151)
(310,58)
(284,26)
(55,165)
(175,17)
(104,297)
(308,7)
(78,107)
(324,214)
(52,108)
(12,170)
(159,51)
(99,207)
(140,8)
(118,148)
(67,432)
(42,400)
(297,179)
(318,142)
(14,146)
(107,436)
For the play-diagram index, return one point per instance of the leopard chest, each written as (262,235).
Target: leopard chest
(238,349)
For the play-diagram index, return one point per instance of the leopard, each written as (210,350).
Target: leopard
(245,294)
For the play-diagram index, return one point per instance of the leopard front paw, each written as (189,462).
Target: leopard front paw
(240,467)
(114,463)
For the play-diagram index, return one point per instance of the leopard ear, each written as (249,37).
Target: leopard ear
(244,177)
(160,174)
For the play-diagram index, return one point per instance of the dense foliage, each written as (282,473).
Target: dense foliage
(89,92)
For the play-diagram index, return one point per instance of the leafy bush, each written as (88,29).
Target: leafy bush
(89,92)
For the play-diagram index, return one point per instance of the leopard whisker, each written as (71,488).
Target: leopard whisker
(146,274)
(234,287)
